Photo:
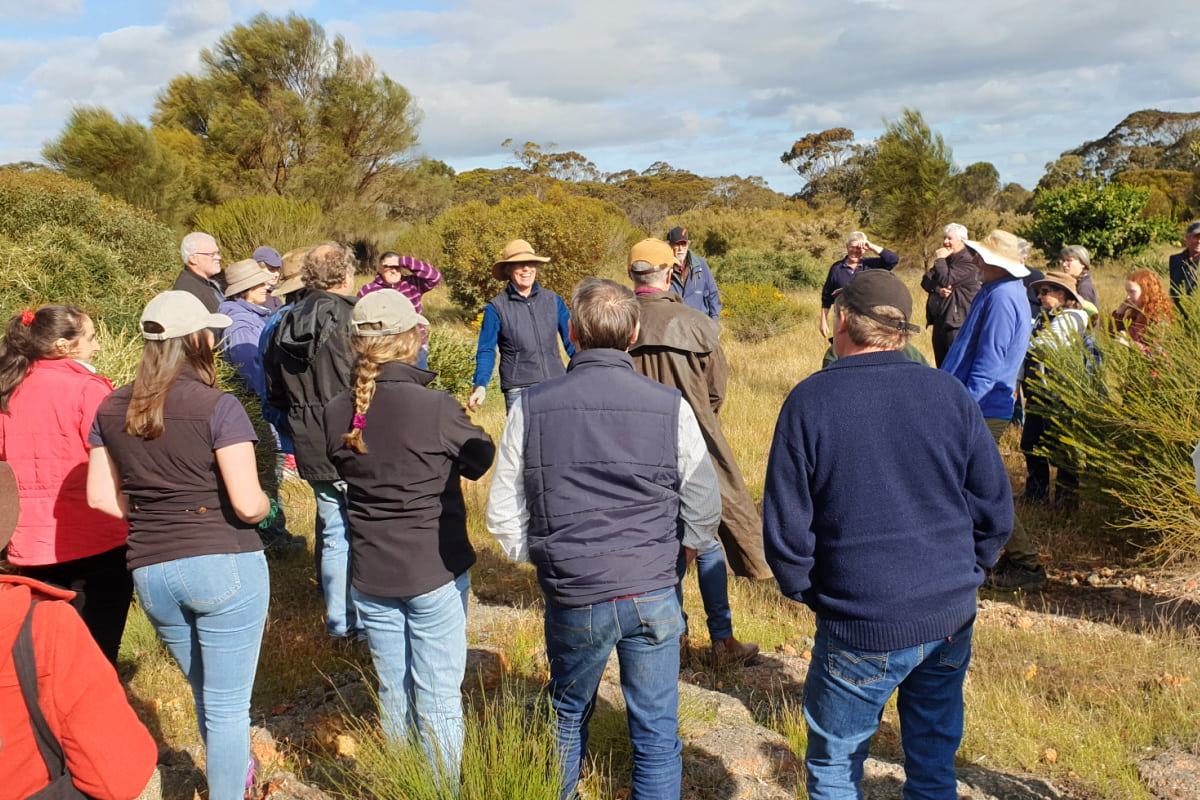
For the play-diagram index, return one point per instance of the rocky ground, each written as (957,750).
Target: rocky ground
(729,754)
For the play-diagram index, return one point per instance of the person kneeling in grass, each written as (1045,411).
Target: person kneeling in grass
(401,460)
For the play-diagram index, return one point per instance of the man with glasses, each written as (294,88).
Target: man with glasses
(201,270)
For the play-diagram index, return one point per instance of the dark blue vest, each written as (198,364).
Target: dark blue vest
(602,481)
(528,337)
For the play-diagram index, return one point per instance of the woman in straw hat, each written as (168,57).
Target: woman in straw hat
(175,456)
(524,321)
(246,292)
(401,448)
(1062,324)
(49,392)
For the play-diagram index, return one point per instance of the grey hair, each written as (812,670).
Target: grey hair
(192,243)
(855,236)
(1193,229)
(648,275)
(956,229)
(603,314)
(1077,251)
(1024,248)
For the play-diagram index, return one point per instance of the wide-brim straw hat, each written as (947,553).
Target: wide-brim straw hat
(518,251)
(1059,280)
(243,275)
(1001,249)
(289,273)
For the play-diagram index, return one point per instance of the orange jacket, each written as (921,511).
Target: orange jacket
(109,753)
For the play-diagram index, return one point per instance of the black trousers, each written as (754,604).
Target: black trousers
(943,337)
(104,590)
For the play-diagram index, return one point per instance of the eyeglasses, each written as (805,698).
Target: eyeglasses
(395,267)
(1045,290)
(213,254)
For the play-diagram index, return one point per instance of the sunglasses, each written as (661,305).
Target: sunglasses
(1045,290)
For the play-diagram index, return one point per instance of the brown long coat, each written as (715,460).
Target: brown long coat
(680,347)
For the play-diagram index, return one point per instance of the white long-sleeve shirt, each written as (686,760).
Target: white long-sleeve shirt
(699,494)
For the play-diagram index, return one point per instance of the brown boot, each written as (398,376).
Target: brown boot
(731,652)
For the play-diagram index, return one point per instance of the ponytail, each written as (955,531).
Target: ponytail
(29,337)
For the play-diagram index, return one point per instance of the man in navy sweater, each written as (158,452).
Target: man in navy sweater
(891,572)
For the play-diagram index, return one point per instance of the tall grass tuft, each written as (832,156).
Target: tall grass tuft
(508,752)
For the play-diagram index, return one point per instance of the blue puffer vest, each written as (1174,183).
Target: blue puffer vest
(602,481)
(528,336)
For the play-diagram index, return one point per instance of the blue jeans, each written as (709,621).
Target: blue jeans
(713,579)
(334,533)
(419,646)
(210,612)
(645,630)
(844,696)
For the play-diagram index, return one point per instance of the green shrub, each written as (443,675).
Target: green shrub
(1105,218)
(452,357)
(783,270)
(754,313)
(62,242)
(240,226)
(579,234)
(1128,429)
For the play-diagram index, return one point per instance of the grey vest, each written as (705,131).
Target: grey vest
(601,481)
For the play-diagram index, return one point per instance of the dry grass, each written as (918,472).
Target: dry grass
(1081,702)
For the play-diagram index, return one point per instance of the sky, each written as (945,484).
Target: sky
(717,88)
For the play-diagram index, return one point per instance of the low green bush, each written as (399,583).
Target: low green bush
(240,226)
(783,270)
(579,234)
(754,313)
(62,242)
(452,357)
(1128,427)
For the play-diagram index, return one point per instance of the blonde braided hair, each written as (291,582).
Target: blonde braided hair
(373,352)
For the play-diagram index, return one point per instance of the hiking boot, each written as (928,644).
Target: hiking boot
(731,652)
(1009,576)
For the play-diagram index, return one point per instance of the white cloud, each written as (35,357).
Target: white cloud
(12,10)
(703,83)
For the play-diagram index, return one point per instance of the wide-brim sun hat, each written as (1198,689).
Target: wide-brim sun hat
(178,314)
(518,251)
(1000,249)
(243,275)
(289,273)
(1059,280)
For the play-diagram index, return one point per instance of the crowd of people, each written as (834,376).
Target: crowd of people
(612,476)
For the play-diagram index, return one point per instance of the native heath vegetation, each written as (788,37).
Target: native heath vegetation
(286,136)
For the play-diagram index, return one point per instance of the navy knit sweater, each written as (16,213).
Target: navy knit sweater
(885,499)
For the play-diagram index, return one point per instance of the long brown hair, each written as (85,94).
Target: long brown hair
(161,363)
(30,336)
(373,352)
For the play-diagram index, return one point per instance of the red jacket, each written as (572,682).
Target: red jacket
(109,753)
(44,438)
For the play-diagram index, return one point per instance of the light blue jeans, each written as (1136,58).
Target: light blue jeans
(340,618)
(419,646)
(210,612)
(645,630)
(844,696)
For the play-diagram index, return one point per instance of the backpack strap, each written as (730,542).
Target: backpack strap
(23,658)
